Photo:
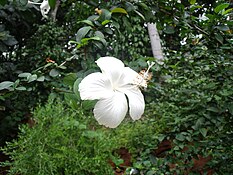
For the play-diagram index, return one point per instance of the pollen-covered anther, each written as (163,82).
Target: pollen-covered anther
(144,76)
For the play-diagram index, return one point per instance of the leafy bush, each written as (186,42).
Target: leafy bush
(60,142)
(66,141)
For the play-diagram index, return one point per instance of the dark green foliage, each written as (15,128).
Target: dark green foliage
(189,99)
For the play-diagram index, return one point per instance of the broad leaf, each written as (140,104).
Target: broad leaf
(76,87)
(82,33)
(24,75)
(54,73)
(192,2)
(221,7)
(223,28)
(32,78)
(41,78)
(119,10)
(6,84)
(203,131)
(52,3)
(70,79)
(90,23)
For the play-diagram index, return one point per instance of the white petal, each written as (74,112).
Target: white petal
(128,76)
(136,101)
(111,111)
(112,67)
(95,86)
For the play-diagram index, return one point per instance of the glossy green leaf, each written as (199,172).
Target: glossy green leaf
(105,22)
(203,131)
(219,38)
(108,31)
(82,32)
(6,84)
(119,10)
(105,15)
(139,14)
(24,75)
(54,73)
(90,23)
(76,87)
(32,78)
(21,88)
(52,3)
(72,100)
(192,2)
(227,11)
(69,79)
(41,78)
(180,137)
(99,34)
(223,28)
(221,7)
(88,104)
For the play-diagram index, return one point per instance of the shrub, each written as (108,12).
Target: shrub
(60,142)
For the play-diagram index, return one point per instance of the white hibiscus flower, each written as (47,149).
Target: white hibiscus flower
(116,88)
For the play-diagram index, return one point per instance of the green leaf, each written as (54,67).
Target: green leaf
(105,15)
(221,7)
(90,23)
(21,88)
(151,172)
(54,73)
(52,3)
(32,78)
(203,131)
(117,161)
(82,33)
(141,15)
(24,75)
(169,30)
(223,28)
(105,22)
(6,84)
(219,38)
(76,87)
(72,100)
(108,31)
(199,123)
(99,34)
(119,10)
(192,2)
(41,78)
(70,79)
(180,137)
(10,41)
(161,137)
(227,11)
(213,109)
(88,104)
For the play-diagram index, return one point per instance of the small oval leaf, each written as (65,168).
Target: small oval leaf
(6,84)
(54,73)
